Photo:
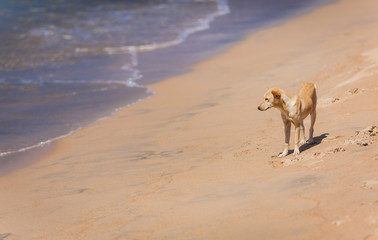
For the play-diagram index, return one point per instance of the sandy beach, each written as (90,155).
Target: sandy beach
(198,160)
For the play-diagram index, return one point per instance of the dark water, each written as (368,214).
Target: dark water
(65,64)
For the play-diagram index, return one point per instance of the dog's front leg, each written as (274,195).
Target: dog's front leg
(296,139)
(287,125)
(303,135)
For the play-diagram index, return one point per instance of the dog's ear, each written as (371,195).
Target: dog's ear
(276,93)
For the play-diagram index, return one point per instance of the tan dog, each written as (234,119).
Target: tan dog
(294,109)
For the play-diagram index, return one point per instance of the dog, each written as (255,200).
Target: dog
(294,109)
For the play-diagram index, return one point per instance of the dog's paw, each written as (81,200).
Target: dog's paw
(303,141)
(283,154)
(296,152)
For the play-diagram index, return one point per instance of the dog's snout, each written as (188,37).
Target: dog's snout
(259,108)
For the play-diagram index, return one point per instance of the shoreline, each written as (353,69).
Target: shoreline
(197,162)
(18,158)
(201,46)
(62,85)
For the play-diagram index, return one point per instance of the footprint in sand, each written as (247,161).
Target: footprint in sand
(242,153)
(354,91)
(370,184)
(364,137)
(290,161)
(336,150)
(244,150)
(325,102)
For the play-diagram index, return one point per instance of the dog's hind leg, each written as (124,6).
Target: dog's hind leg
(296,139)
(311,131)
(287,126)
(303,138)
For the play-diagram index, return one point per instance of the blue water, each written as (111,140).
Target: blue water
(65,64)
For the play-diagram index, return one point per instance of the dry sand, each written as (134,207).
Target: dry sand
(195,161)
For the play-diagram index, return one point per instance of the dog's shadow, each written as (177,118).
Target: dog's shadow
(306,146)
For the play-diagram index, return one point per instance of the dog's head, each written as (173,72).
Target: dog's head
(271,99)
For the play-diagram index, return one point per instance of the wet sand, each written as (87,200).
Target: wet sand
(197,160)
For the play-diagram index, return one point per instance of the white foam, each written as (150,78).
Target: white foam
(200,25)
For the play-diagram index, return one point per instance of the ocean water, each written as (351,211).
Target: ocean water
(65,64)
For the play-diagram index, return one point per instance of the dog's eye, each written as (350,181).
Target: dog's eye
(266,99)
